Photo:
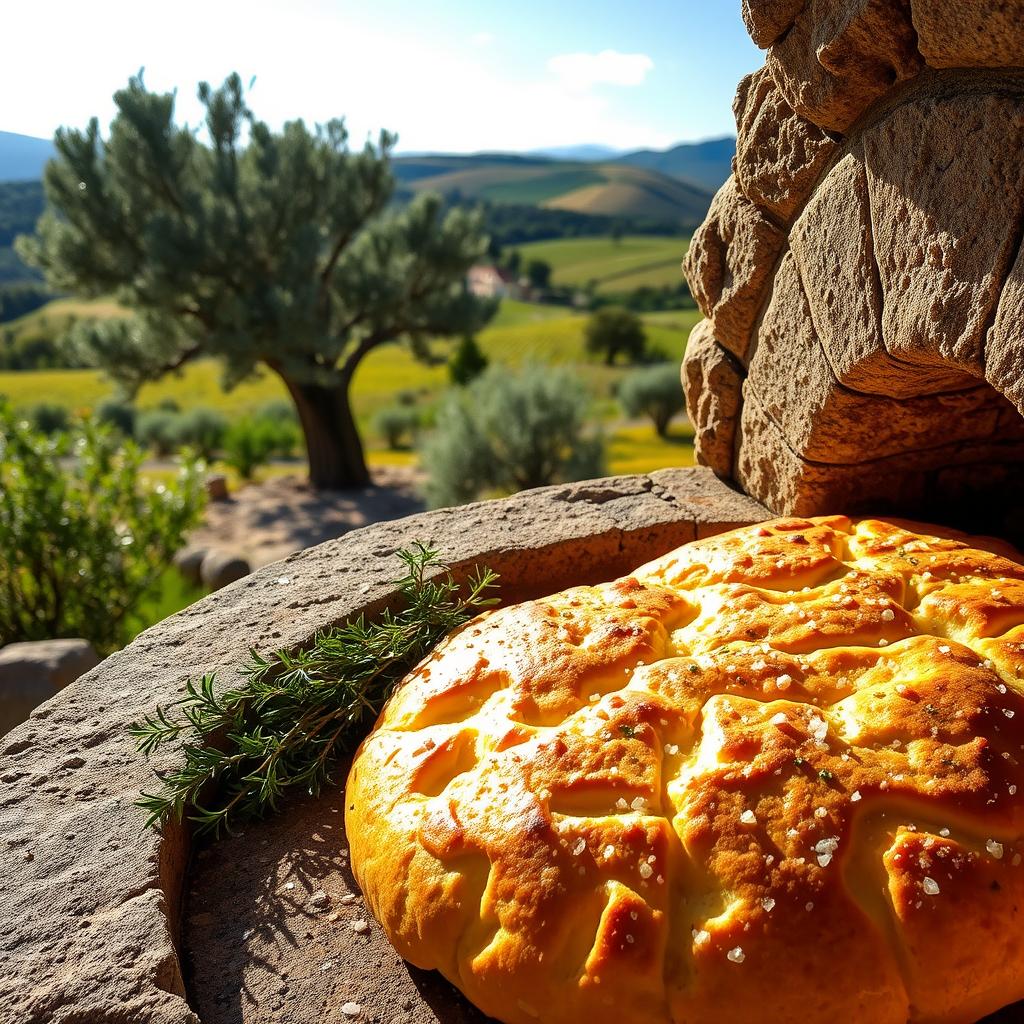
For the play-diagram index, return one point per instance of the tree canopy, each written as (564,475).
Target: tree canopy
(261,248)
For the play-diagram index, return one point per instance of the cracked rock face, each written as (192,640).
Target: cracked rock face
(862,271)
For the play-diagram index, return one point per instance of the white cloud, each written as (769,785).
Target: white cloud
(482,38)
(582,71)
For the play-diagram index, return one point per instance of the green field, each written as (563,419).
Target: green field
(519,333)
(632,262)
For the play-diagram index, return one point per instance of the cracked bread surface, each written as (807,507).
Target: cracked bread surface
(771,776)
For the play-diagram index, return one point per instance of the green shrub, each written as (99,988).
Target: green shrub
(467,361)
(249,443)
(281,425)
(48,417)
(117,414)
(655,392)
(398,425)
(158,429)
(82,538)
(506,432)
(201,428)
(612,330)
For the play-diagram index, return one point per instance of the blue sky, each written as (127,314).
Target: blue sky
(446,75)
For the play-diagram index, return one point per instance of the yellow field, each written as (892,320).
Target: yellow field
(520,333)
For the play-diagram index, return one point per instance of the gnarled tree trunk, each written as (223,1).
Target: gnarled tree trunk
(336,459)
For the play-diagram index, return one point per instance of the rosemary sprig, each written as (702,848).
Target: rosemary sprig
(293,716)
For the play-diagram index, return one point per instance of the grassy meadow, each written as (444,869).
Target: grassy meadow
(632,262)
(519,333)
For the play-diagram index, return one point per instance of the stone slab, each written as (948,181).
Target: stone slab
(89,900)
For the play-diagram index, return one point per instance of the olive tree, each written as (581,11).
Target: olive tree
(278,250)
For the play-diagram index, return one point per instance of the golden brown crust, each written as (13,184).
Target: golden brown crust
(770,777)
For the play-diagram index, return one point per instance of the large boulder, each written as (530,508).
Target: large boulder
(863,264)
(32,672)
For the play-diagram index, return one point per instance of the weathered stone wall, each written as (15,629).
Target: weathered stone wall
(861,272)
(90,902)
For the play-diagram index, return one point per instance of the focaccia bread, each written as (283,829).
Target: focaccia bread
(773,776)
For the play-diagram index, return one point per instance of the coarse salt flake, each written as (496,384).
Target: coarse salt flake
(888,615)
(609,852)
(748,817)
(778,719)
(783,681)
(351,1009)
(736,955)
(930,886)
(360,926)
(855,796)
(768,904)
(646,871)
(700,936)
(820,812)
(581,845)
(994,848)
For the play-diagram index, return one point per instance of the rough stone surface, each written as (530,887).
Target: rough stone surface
(946,184)
(219,568)
(729,265)
(32,672)
(711,381)
(827,423)
(833,246)
(906,231)
(970,33)
(766,20)
(985,476)
(1004,344)
(841,55)
(89,901)
(779,155)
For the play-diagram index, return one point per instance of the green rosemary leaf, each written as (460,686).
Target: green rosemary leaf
(295,713)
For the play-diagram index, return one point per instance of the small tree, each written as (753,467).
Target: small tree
(655,392)
(506,432)
(249,443)
(398,425)
(82,538)
(539,273)
(282,252)
(467,361)
(612,330)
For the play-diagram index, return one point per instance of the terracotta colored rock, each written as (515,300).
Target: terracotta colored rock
(946,185)
(712,379)
(217,487)
(779,155)
(970,33)
(841,55)
(33,671)
(766,20)
(729,265)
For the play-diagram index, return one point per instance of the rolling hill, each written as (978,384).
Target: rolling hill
(706,164)
(23,157)
(609,188)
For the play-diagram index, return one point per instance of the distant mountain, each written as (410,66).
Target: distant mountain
(609,188)
(586,152)
(23,157)
(706,164)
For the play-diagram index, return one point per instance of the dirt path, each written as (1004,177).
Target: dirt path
(265,522)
